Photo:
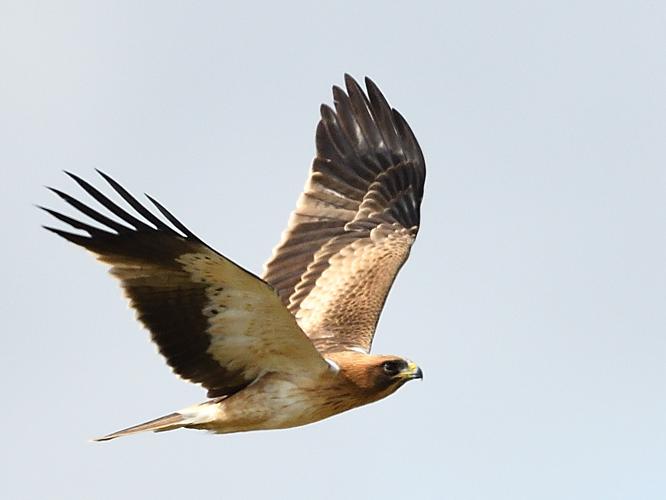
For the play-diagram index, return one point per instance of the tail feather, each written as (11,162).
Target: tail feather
(166,423)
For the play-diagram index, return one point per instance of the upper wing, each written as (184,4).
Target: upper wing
(355,222)
(215,323)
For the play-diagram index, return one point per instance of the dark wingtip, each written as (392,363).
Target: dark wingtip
(47,210)
(171,218)
(73,176)
(57,192)
(74,238)
(337,91)
(351,84)
(104,175)
(374,93)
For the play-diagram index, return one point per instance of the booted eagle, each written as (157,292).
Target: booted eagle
(292,347)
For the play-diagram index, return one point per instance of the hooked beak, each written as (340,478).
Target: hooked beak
(411,372)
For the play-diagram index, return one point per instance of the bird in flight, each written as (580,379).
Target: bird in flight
(291,347)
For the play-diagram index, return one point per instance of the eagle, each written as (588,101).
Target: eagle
(292,347)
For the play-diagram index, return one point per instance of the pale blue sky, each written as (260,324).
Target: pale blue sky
(534,299)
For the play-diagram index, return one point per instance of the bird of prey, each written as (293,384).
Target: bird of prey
(292,347)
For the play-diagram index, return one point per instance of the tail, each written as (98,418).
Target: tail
(195,417)
(166,423)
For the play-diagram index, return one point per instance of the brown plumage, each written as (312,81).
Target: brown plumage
(291,348)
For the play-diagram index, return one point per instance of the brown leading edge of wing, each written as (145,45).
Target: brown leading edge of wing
(215,323)
(355,222)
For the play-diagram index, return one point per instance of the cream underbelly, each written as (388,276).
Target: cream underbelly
(274,404)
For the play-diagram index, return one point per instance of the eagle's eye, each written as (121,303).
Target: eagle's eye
(392,368)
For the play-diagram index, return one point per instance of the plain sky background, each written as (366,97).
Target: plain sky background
(534,298)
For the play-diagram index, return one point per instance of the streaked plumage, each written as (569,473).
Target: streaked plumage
(291,348)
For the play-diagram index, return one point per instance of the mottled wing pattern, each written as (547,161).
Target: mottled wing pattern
(355,222)
(215,323)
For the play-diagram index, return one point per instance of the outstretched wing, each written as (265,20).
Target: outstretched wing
(215,323)
(355,222)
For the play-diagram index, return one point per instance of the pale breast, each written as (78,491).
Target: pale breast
(279,401)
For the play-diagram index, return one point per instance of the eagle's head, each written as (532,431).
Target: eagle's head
(392,371)
(373,377)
